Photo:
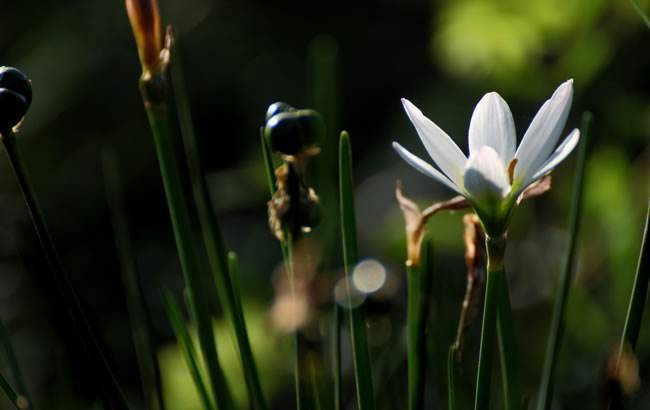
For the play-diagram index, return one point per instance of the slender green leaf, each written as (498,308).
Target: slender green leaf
(360,351)
(561,299)
(336,357)
(213,240)
(639,294)
(141,322)
(185,342)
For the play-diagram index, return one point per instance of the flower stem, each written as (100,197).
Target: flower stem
(419,287)
(109,386)
(213,240)
(495,253)
(508,349)
(451,378)
(360,352)
(559,308)
(154,93)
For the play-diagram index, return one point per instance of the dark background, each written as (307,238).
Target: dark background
(353,62)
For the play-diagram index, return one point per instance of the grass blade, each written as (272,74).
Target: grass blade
(213,241)
(141,322)
(11,393)
(184,340)
(639,295)
(336,357)
(559,308)
(451,379)
(157,111)
(360,352)
(419,281)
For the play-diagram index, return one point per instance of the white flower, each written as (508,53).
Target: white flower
(495,174)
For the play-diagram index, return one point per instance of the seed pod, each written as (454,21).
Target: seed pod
(278,108)
(291,132)
(15,97)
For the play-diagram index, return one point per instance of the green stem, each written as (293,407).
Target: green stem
(141,324)
(418,279)
(508,350)
(154,93)
(561,299)
(187,347)
(495,252)
(338,318)
(451,378)
(214,244)
(297,367)
(89,344)
(360,351)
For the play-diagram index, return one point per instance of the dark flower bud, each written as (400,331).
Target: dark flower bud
(291,132)
(15,97)
(278,108)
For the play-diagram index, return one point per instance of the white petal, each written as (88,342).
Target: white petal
(558,155)
(486,175)
(442,149)
(543,132)
(424,167)
(492,125)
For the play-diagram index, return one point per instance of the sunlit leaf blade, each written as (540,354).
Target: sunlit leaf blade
(185,342)
(213,240)
(360,352)
(557,321)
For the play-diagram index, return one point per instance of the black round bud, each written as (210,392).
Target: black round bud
(15,97)
(277,108)
(283,133)
(291,132)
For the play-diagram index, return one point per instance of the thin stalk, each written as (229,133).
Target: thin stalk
(495,252)
(451,378)
(313,377)
(297,368)
(154,91)
(360,351)
(418,279)
(561,299)
(22,399)
(213,240)
(638,298)
(89,345)
(508,352)
(336,353)
(10,393)
(269,169)
(141,323)
(187,346)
